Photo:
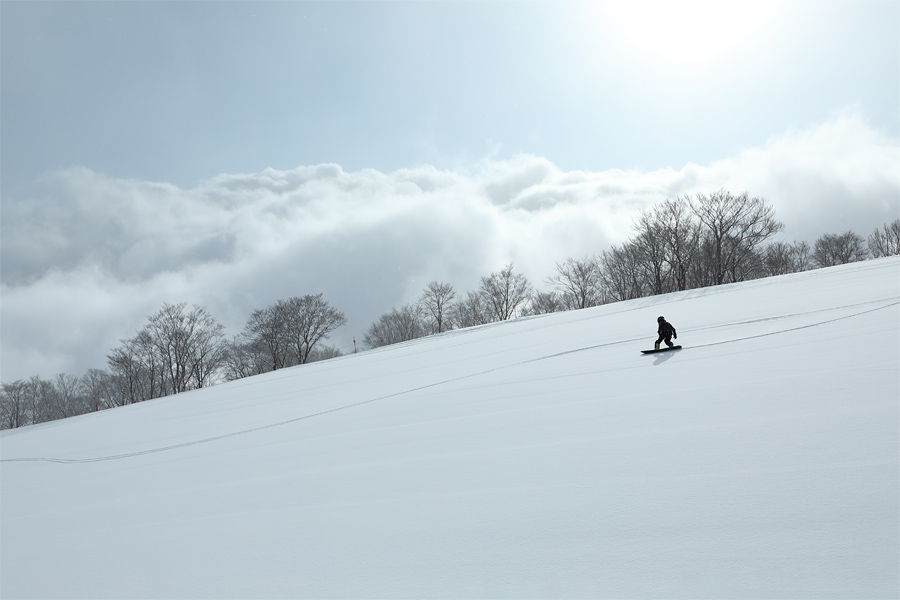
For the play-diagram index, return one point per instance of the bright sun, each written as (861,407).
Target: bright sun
(687,35)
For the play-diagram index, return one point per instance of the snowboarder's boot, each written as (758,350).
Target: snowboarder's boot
(656,346)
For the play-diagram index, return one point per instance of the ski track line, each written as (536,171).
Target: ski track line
(438,383)
(751,337)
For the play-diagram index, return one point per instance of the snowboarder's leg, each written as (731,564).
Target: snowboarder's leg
(659,340)
(656,346)
(668,340)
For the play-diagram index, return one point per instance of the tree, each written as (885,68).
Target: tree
(266,333)
(39,397)
(503,291)
(67,398)
(435,301)
(96,386)
(543,303)
(210,353)
(14,405)
(190,345)
(325,353)
(245,358)
(470,311)
(578,282)
(621,272)
(733,227)
(136,374)
(39,400)
(780,257)
(396,326)
(801,257)
(309,320)
(776,258)
(681,235)
(153,377)
(286,333)
(885,242)
(650,245)
(838,249)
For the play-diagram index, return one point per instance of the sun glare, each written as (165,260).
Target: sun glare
(687,35)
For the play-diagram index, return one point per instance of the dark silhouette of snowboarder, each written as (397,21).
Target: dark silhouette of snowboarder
(666,333)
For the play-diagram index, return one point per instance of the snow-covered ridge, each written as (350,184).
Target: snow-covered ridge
(539,457)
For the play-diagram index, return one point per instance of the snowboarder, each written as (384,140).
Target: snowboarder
(666,333)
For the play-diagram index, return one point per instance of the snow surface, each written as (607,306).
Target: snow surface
(543,457)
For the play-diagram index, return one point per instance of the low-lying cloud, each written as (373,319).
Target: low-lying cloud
(86,258)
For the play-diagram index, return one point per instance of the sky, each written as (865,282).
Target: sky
(230,154)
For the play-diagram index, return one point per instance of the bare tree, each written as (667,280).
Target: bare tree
(681,235)
(436,300)
(546,302)
(266,332)
(153,375)
(284,334)
(650,244)
(838,249)
(39,396)
(309,320)
(325,353)
(885,241)
(96,386)
(734,227)
(470,311)
(578,282)
(780,258)
(245,358)
(801,257)
(14,405)
(169,332)
(396,326)
(503,291)
(210,353)
(621,273)
(190,345)
(264,344)
(776,258)
(136,374)
(67,398)
(40,400)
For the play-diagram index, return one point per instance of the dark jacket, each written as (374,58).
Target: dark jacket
(665,328)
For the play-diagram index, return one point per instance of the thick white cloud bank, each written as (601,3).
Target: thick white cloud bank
(86,258)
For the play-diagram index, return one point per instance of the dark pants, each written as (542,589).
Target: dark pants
(667,337)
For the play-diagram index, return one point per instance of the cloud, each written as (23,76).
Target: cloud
(86,258)
(836,176)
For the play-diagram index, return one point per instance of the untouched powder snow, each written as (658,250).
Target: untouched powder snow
(542,457)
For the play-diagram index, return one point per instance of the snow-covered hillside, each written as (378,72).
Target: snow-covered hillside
(543,457)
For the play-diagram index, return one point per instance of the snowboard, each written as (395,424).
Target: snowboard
(661,350)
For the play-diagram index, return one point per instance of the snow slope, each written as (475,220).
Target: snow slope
(543,457)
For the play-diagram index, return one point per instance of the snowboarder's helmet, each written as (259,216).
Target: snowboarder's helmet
(660,319)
